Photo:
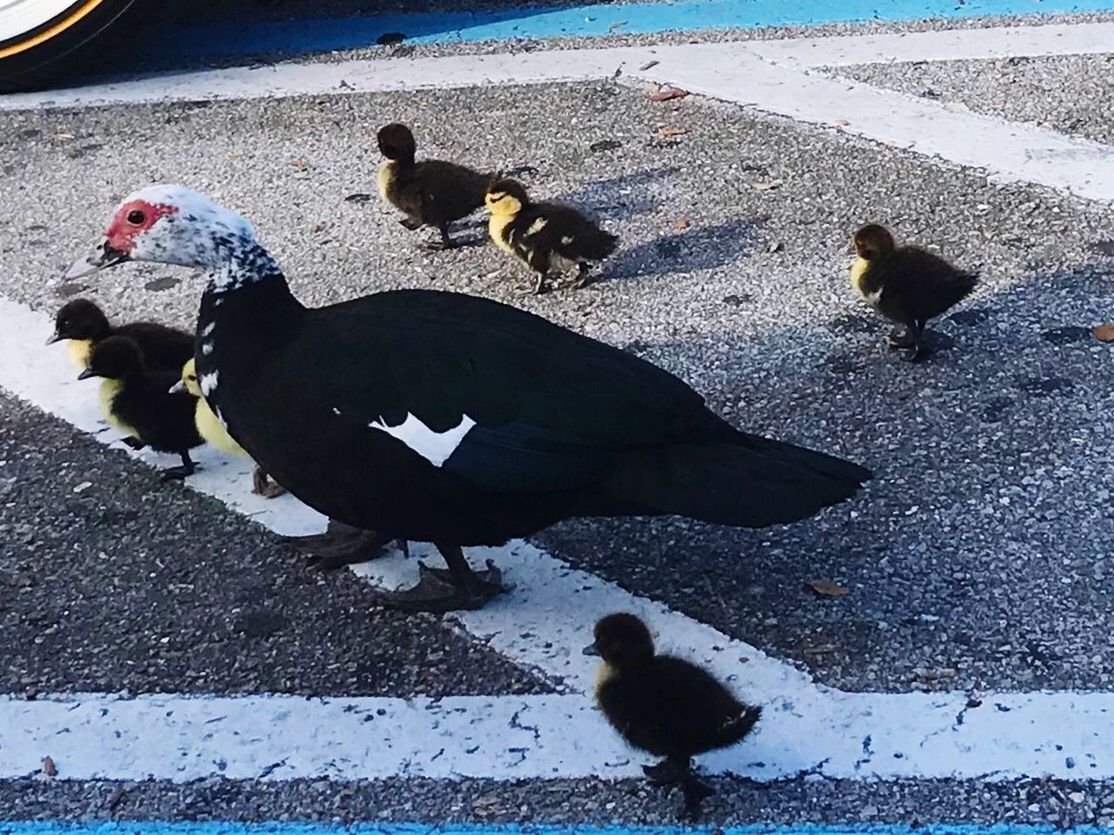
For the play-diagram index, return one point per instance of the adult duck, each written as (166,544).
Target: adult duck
(450,419)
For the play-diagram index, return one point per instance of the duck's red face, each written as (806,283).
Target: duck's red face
(168,224)
(131,220)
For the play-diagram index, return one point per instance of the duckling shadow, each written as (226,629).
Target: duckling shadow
(621,198)
(691,250)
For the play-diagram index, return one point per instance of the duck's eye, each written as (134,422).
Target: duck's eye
(192,378)
(137,217)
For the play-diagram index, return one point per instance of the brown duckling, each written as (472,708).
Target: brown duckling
(545,236)
(906,284)
(431,192)
(210,428)
(83,323)
(140,404)
(664,705)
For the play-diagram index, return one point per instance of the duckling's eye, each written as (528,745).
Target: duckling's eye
(136,217)
(192,378)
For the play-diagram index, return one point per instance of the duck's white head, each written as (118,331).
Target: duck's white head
(170,224)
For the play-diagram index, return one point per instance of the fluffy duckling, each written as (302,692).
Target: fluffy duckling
(212,430)
(83,323)
(664,705)
(431,192)
(544,236)
(140,404)
(906,284)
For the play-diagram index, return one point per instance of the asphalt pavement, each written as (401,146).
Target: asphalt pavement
(978,559)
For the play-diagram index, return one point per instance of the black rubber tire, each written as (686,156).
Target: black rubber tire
(87,43)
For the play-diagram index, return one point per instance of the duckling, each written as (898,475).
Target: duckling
(212,430)
(906,284)
(664,705)
(140,404)
(431,192)
(545,236)
(83,324)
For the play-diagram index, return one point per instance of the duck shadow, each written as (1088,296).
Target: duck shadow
(690,250)
(621,198)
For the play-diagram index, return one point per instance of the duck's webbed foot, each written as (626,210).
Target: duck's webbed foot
(261,485)
(410,223)
(441,590)
(131,442)
(342,545)
(445,242)
(900,337)
(188,468)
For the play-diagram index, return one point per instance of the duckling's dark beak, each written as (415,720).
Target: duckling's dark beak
(104,256)
(86,374)
(591,649)
(54,337)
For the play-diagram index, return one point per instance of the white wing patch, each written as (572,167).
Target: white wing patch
(537,226)
(209,382)
(434,447)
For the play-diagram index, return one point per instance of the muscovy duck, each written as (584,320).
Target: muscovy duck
(444,418)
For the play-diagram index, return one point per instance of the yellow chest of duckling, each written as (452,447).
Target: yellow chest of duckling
(858,273)
(385,178)
(604,673)
(108,392)
(496,224)
(212,430)
(79,350)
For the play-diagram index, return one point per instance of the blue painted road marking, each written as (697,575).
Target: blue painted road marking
(300,37)
(222,828)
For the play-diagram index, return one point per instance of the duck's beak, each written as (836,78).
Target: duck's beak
(590,650)
(177,387)
(54,337)
(86,374)
(104,256)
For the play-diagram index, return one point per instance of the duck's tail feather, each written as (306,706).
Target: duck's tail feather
(752,483)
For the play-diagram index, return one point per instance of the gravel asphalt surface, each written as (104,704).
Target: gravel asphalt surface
(978,558)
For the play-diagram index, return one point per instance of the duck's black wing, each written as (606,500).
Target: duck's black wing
(568,232)
(513,404)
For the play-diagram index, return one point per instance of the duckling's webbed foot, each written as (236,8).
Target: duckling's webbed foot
(411,224)
(900,338)
(132,442)
(261,485)
(440,590)
(584,276)
(188,468)
(445,241)
(666,773)
(695,792)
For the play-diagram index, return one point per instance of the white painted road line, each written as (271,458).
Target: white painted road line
(542,624)
(736,72)
(941,45)
(837,735)
(1009,152)
(385,75)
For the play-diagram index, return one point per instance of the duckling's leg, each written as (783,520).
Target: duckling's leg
(413,224)
(676,770)
(583,275)
(900,337)
(441,590)
(188,468)
(261,485)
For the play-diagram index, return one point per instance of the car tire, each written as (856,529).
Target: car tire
(48,42)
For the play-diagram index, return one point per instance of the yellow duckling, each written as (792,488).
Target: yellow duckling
(212,430)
